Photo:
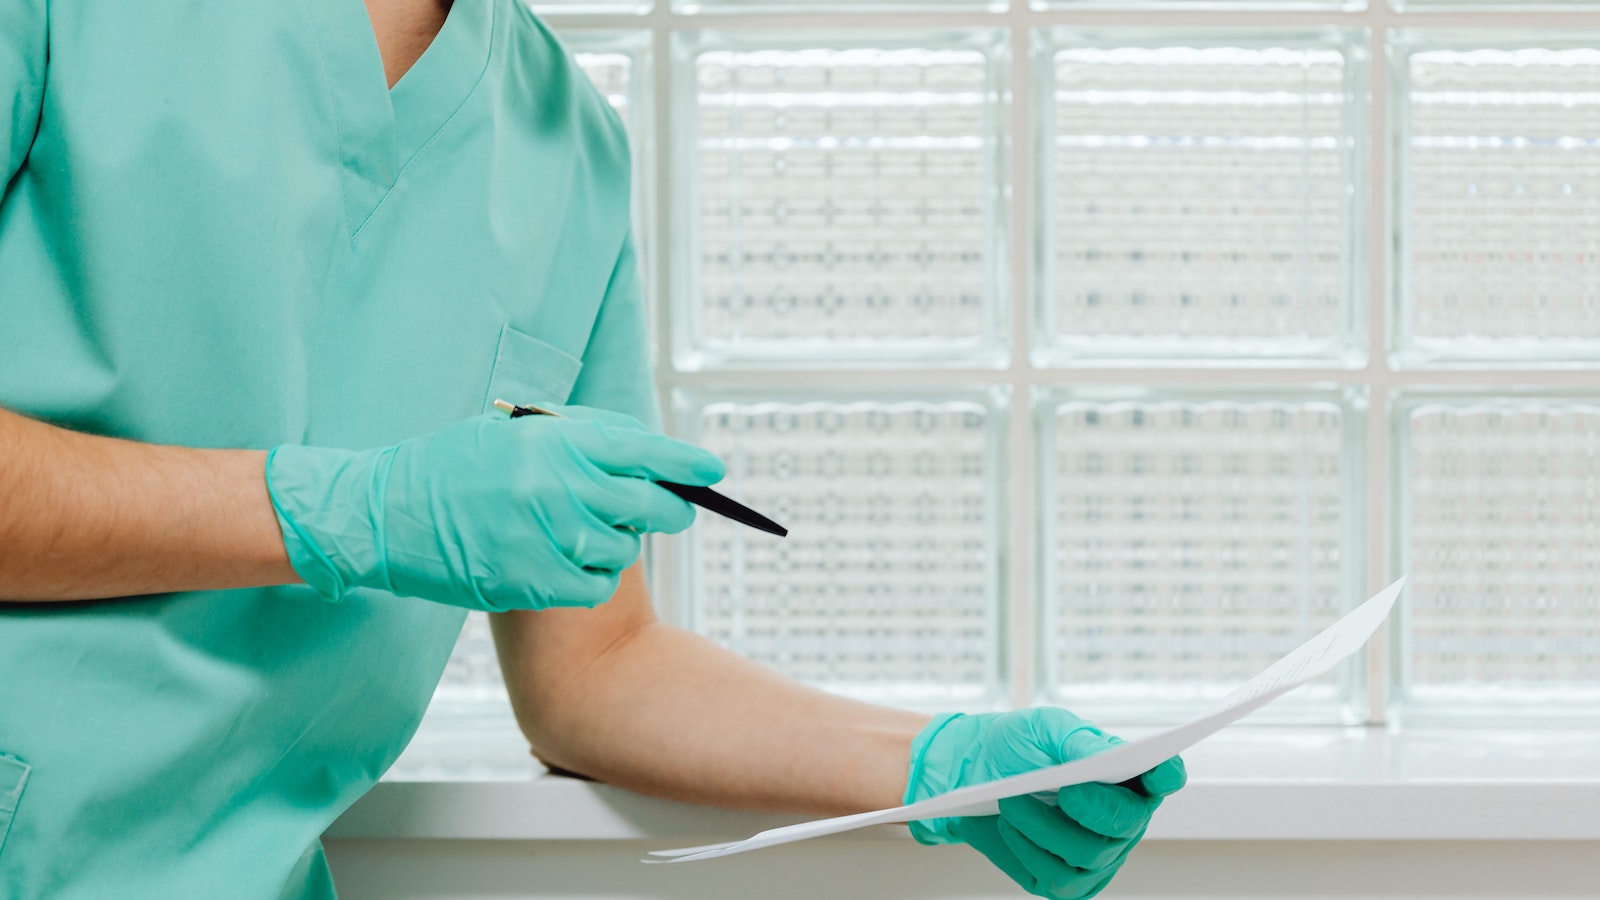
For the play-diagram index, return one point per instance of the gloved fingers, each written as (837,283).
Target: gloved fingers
(982,833)
(636,503)
(1103,883)
(667,514)
(599,546)
(1111,870)
(645,454)
(1079,742)
(554,583)
(1052,876)
(1055,725)
(606,417)
(572,586)
(1166,779)
(1107,809)
(1053,831)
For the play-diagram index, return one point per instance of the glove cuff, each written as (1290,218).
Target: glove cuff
(925,780)
(324,503)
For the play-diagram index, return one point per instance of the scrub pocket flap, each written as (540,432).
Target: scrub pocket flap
(528,370)
(13,778)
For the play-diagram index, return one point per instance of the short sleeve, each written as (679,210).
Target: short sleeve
(617,371)
(23,30)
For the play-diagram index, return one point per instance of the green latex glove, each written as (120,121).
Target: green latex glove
(1066,852)
(491,514)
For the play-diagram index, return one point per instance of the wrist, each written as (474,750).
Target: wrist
(329,507)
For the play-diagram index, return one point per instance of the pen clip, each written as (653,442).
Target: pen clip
(517,412)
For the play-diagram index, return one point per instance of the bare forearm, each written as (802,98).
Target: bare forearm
(667,713)
(85,517)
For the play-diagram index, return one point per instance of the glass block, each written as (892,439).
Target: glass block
(449,748)
(1499,241)
(888,587)
(1200,195)
(1190,540)
(614,61)
(472,684)
(619,63)
(1499,525)
(813,6)
(1275,5)
(582,7)
(842,200)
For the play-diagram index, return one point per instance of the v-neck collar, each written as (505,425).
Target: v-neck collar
(381,129)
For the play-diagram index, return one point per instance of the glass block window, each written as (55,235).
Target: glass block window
(1191,540)
(1501,520)
(1201,195)
(888,586)
(872,227)
(1501,190)
(845,199)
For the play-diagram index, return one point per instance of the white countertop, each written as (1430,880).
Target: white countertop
(1258,783)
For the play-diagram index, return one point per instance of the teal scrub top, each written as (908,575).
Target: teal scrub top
(220,228)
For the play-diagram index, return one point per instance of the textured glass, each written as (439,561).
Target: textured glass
(1500,535)
(887,587)
(611,70)
(1500,246)
(456,749)
(1493,5)
(576,7)
(472,682)
(846,201)
(1200,196)
(811,6)
(1191,541)
(1208,5)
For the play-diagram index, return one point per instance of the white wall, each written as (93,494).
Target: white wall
(901,870)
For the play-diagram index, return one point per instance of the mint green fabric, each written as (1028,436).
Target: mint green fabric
(1068,849)
(493,514)
(220,229)
(13,779)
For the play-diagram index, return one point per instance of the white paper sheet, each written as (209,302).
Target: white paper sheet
(1312,659)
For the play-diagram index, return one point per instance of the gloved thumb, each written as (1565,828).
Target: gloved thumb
(1071,738)
(1165,779)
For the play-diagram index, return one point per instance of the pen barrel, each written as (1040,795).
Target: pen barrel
(684,491)
(706,498)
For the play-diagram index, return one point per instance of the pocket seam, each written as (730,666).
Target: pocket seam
(13,780)
(533,364)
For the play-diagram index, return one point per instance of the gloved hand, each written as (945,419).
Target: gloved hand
(1066,852)
(492,513)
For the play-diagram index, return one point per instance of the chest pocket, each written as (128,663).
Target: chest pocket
(13,778)
(528,370)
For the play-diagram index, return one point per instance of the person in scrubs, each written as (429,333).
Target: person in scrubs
(264,269)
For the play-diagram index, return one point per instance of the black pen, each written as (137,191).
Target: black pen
(700,496)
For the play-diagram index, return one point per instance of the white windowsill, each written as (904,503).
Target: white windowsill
(1247,784)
